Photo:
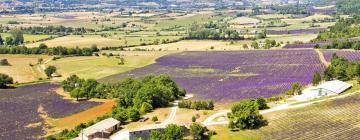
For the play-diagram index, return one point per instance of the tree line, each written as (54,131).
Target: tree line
(43,49)
(217,30)
(59,30)
(343,29)
(198,105)
(342,69)
(342,44)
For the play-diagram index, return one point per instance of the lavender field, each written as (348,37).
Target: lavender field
(234,75)
(20,118)
(350,55)
(306,45)
(297,31)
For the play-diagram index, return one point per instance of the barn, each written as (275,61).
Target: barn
(329,88)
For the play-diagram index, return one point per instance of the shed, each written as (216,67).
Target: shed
(101,130)
(329,88)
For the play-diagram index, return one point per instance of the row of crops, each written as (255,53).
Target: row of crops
(235,75)
(335,119)
(19,110)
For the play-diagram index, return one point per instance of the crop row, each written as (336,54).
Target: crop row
(235,75)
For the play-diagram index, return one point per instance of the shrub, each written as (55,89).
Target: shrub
(155,119)
(4,62)
(5,80)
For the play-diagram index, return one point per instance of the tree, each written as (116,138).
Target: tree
(120,114)
(316,79)
(245,46)
(43,46)
(329,73)
(173,132)
(9,40)
(18,37)
(193,119)
(133,114)
(145,108)
(198,131)
(255,45)
(261,101)
(1,40)
(245,115)
(5,80)
(50,70)
(71,83)
(155,135)
(76,93)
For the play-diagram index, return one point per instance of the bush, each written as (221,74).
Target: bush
(4,62)
(261,101)
(5,80)
(155,119)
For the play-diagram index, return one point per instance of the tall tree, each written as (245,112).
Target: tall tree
(316,79)
(1,40)
(18,37)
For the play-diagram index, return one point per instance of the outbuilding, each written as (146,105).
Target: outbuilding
(101,130)
(329,88)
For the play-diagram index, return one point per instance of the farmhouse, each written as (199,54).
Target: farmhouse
(325,89)
(101,130)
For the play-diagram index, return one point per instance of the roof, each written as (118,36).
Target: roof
(335,86)
(100,126)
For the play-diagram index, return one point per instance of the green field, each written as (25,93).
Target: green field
(184,21)
(99,67)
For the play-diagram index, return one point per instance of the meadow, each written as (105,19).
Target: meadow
(20,68)
(102,66)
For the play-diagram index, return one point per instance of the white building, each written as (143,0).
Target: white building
(100,131)
(325,89)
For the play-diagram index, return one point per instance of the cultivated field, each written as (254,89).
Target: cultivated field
(234,75)
(335,119)
(20,68)
(30,38)
(23,110)
(348,54)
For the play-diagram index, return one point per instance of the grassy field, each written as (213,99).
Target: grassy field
(99,67)
(327,120)
(273,16)
(306,19)
(113,41)
(20,69)
(291,38)
(184,21)
(244,20)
